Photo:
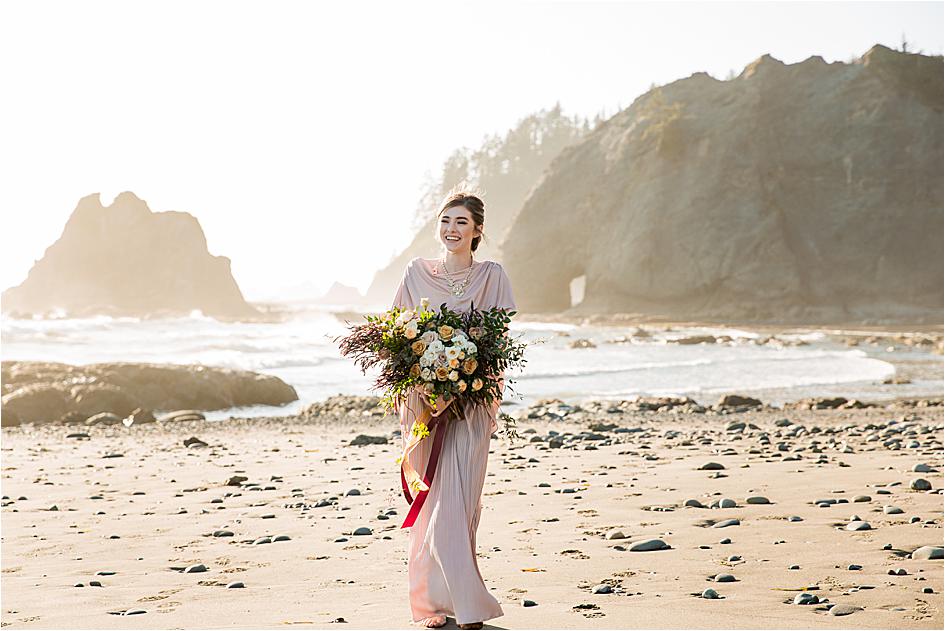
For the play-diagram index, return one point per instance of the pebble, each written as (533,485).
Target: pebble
(854,566)
(724,578)
(353,492)
(794,567)
(726,522)
(614,534)
(262,540)
(235,585)
(222,533)
(727,503)
(725,541)
(892,510)
(710,593)
(528,603)
(795,518)
(711,466)
(134,612)
(757,499)
(921,468)
(603,588)
(281,538)
(928,553)
(95,583)
(363,530)
(928,590)
(191,569)
(648,545)
(843,610)
(858,525)
(920,484)
(862,498)
(806,598)
(694,503)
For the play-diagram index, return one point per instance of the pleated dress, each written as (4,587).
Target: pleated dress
(442,572)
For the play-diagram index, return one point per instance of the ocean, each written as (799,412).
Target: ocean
(299,349)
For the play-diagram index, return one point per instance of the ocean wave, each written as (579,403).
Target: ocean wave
(557,374)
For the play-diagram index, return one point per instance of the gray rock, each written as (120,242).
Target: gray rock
(725,523)
(921,484)
(862,498)
(724,578)
(262,540)
(222,533)
(711,466)
(648,545)
(927,553)
(614,534)
(795,518)
(363,530)
(694,503)
(134,612)
(725,541)
(757,499)
(858,525)
(854,567)
(353,492)
(892,510)
(844,610)
(528,603)
(281,538)
(921,468)
(235,585)
(710,594)
(727,503)
(603,588)
(364,439)
(193,569)
(806,598)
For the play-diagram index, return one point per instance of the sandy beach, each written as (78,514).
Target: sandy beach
(134,509)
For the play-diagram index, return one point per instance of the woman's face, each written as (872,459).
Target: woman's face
(457,230)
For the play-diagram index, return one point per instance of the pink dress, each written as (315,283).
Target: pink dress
(442,571)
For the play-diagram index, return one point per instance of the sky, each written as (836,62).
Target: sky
(299,134)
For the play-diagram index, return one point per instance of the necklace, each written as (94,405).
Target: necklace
(457,288)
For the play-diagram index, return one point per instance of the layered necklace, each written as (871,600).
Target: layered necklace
(457,287)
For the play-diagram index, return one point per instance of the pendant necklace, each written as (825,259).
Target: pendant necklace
(457,288)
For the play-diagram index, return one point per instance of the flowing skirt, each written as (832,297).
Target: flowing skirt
(442,571)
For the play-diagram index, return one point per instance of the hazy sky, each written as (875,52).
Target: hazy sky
(299,133)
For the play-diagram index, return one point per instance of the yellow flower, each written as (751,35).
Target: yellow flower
(469,366)
(418,347)
(461,384)
(454,363)
(446,332)
(399,459)
(415,486)
(476,384)
(420,429)
(442,373)
(415,370)
(411,332)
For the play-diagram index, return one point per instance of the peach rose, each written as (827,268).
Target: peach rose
(461,384)
(442,373)
(418,347)
(415,370)
(446,332)
(470,365)
(477,384)
(454,363)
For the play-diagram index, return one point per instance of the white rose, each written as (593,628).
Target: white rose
(470,348)
(453,375)
(411,331)
(452,352)
(425,360)
(426,374)
(429,337)
(436,346)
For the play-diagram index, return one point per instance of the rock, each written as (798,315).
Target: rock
(757,499)
(281,538)
(528,603)
(364,439)
(694,503)
(222,533)
(795,518)
(614,534)
(921,484)
(892,510)
(862,498)
(603,588)
(724,578)
(353,492)
(236,480)
(858,525)
(262,541)
(134,612)
(235,585)
(193,569)
(648,545)
(726,503)
(736,400)
(844,610)
(193,441)
(725,523)
(711,466)
(138,416)
(710,594)
(725,541)
(806,598)
(363,530)
(927,553)
(921,468)
(854,567)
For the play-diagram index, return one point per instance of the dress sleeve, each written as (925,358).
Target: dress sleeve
(402,297)
(504,298)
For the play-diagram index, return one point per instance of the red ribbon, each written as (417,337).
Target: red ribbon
(438,427)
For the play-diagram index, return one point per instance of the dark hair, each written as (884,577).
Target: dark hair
(471,203)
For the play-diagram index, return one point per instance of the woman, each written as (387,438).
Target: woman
(442,570)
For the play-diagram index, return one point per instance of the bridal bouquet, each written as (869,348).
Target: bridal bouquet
(449,357)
